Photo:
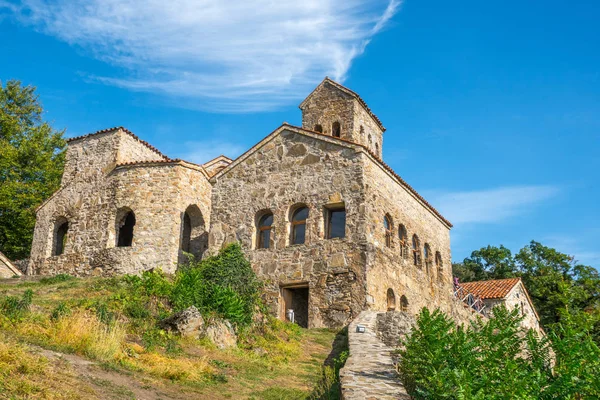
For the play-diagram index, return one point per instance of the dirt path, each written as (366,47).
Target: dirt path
(109,384)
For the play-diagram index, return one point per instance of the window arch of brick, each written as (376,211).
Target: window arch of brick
(194,238)
(318,128)
(388,226)
(416,249)
(439,265)
(60,236)
(264,229)
(336,129)
(391,300)
(403,237)
(125,225)
(298,217)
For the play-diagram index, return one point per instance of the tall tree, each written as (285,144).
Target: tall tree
(31,165)
(557,283)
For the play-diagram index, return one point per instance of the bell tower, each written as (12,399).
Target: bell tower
(335,110)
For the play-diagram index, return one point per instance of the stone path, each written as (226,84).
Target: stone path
(369,372)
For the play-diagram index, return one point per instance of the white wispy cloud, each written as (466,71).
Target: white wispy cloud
(234,55)
(490,205)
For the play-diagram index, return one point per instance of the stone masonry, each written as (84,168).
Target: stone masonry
(124,207)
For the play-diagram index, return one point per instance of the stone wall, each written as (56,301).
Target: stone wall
(518,298)
(7,268)
(328,104)
(95,189)
(393,267)
(288,170)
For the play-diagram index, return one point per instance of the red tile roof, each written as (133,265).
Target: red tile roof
(494,289)
(148,145)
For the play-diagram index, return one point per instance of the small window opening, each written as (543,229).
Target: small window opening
(416,250)
(336,130)
(428,257)
(335,223)
(439,265)
(391,300)
(403,304)
(125,238)
(60,237)
(194,238)
(319,128)
(299,218)
(387,224)
(265,224)
(403,236)
(377,149)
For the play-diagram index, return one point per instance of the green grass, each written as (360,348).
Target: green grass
(105,320)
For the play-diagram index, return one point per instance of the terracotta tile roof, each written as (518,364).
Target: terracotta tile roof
(148,145)
(494,289)
(351,93)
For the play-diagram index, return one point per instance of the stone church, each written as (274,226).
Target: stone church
(326,223)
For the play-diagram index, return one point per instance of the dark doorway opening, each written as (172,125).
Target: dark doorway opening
(125,238)
(296,299)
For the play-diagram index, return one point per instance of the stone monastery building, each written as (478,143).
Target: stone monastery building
(330,228)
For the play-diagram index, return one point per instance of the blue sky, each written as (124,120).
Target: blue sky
(492,108)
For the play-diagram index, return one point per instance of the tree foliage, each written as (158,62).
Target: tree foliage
(557,284)
(31,165)
(497,359)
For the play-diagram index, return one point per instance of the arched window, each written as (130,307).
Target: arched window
(299,217)
(391,300)
(387,224)
(416,248)
(194,238)
(336,130)
(403,303)
(265,223)
(319,128)
(61,230)
(439,265)
(125,226)
(428,257)
(403,236)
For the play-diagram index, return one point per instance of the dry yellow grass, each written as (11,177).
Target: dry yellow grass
(24,374)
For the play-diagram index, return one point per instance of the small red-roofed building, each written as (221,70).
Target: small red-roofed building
(510,292)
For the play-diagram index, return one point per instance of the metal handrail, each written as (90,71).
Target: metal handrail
(474,302)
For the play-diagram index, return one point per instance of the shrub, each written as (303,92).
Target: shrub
(224,284)
(61,310)
(13,307)
(496,359)
(56,279)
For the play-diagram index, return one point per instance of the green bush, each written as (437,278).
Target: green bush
(61,310)
(56,279)
(224,284)
(496,359)
(13,307)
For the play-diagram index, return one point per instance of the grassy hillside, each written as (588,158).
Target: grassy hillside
(69,338)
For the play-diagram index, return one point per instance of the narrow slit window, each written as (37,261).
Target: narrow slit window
(387,225)
(416,250)
(60,237)
(336,130)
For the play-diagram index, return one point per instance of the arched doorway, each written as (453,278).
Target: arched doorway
(194,238)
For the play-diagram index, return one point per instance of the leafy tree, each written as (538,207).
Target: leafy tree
(496,359)
(557,284)
(31,164)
